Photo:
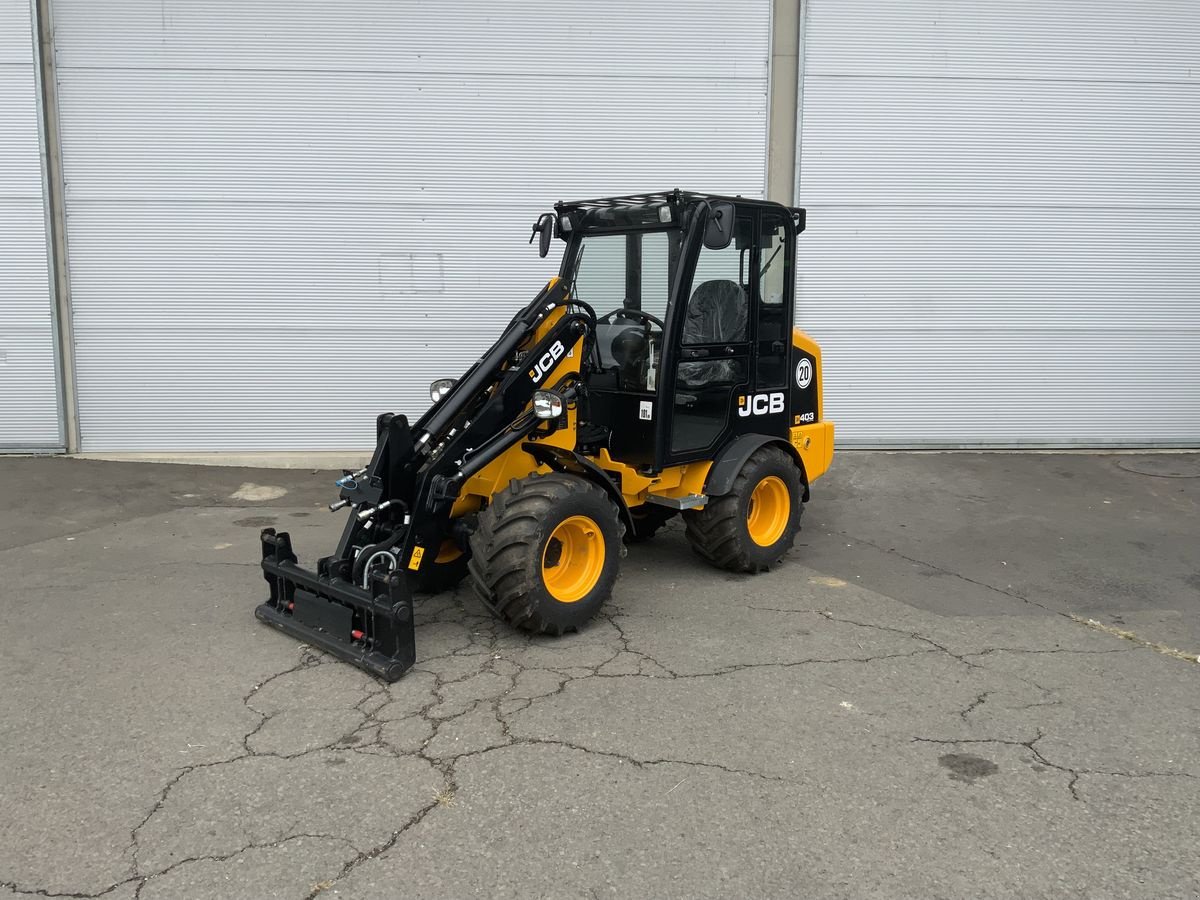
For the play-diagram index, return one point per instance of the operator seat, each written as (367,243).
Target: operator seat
(718,313)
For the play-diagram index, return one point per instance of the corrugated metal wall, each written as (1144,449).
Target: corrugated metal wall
(1004,220)
(29,416)
(286,218)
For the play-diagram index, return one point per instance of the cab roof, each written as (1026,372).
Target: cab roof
(672,196)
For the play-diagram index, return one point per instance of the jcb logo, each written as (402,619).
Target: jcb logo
(547,362)
(760,404)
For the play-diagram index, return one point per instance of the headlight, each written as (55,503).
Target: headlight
(440,389)
(547,404)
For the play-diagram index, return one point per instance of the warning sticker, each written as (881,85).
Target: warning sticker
(414,561)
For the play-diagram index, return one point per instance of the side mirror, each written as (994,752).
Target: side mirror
(543,230)
(718,228)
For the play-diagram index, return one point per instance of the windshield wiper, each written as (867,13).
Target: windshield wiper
(575,271)
(763,270)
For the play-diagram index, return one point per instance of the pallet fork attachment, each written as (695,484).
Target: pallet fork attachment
(371,629)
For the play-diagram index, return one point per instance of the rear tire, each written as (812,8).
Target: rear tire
(547,552)
(755,524)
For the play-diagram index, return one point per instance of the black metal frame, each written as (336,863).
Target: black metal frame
(372,629)
(672,196)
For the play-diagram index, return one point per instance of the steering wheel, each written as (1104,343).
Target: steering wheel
(626,313)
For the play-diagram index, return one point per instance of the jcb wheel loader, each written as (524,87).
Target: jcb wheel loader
(658,374)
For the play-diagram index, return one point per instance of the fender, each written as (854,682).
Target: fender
(730,461)
(562,460)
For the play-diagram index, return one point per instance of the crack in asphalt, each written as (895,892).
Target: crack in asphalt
(916,636)
(913,635)
(974,705)
(920,562)
(1040,758)
(642,763)
(991,650)
(362,857)
(41,892)
(1068,615)
(225,857)
(1028,745)
(1126,635)
(817,661)
(140,881)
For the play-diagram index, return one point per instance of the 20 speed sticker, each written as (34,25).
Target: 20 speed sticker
(804,373)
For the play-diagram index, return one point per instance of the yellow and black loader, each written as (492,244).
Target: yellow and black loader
(658,375)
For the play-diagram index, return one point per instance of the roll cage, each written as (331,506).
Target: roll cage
(683,214)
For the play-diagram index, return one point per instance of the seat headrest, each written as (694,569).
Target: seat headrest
(717,312)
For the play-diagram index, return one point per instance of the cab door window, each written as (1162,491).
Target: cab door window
(773,312)
(714,343)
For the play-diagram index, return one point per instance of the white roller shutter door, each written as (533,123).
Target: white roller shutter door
(284,218)
(1004,220)
(29,411)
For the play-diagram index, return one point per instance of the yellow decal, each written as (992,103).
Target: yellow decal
(414,561)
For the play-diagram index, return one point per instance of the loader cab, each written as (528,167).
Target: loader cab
(693,297)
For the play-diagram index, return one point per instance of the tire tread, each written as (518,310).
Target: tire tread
(718,532)
(510,531)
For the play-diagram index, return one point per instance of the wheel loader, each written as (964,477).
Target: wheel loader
(659,374)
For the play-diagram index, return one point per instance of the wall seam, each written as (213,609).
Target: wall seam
(801,27)
(53,187)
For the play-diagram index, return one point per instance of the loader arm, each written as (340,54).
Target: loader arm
(358,603)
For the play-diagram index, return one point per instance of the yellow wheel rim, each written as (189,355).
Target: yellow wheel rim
(573,559)
(769,511)
(448,552)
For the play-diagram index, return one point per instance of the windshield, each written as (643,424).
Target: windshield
(626,279)
(626,271)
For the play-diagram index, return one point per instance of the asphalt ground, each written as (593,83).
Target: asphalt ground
(975,676)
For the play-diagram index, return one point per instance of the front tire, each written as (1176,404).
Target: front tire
(547,552)
(751,528)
